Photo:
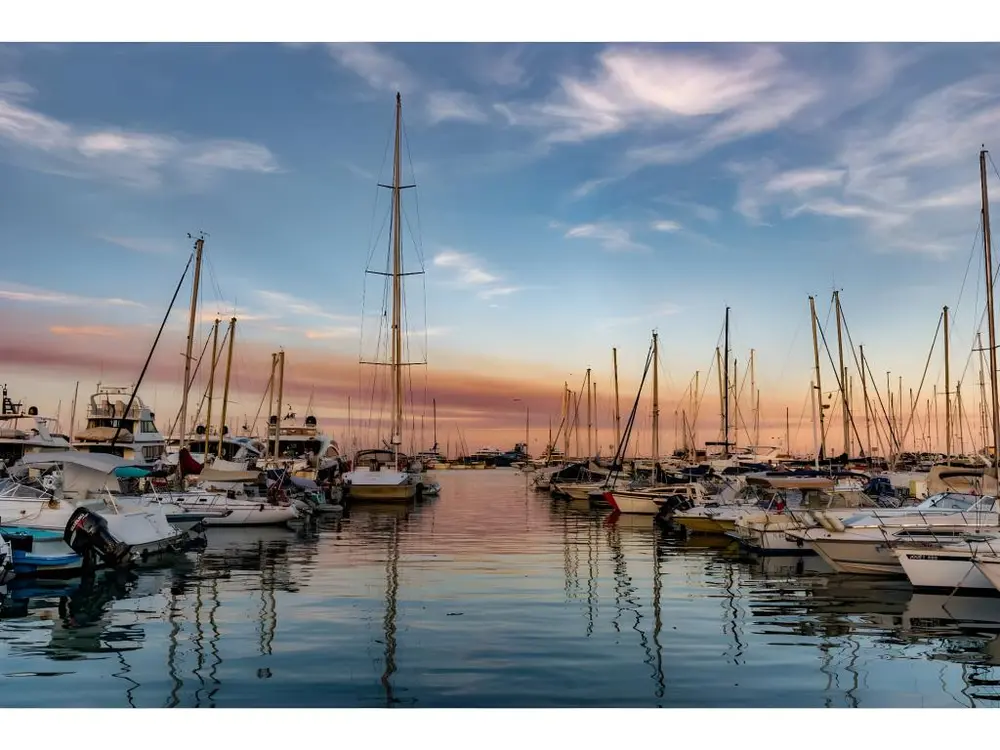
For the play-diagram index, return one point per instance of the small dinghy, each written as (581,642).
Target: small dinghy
(40,553)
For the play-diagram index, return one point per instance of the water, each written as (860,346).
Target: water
(492,596)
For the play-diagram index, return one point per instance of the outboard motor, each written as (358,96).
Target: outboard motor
(87,534)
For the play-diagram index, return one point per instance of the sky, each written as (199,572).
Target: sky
(569,198)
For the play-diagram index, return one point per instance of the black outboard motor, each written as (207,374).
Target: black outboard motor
(87,534)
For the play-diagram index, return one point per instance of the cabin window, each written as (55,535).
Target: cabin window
(147,426)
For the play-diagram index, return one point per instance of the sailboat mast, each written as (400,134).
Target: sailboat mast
(845,399)
(990,310)
(756,402)
(281,394)
(211,385)
(397,270)
(434,413)
(225,387)
(656,402)
(618,415)
(590,417)
(864,395)
(818,385)
(947,388)
(725,400)
(72,412)
(199,247)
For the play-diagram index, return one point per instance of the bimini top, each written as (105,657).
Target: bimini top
(102,462)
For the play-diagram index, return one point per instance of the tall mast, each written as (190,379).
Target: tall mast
(656,402)
(225,387)
(736,405)
(199,247)
(597,411)
(725,400)
(618,415)
(434,406)
(722,397)
(983,417)
(819,384)
(590,417)
(755,400)
(72,412)
(397,270)
(864,395)
(958,405)
(947,387)
(281,393)
(566,420)
(788,433)
(990,310)
(817,431)
(845,399)
(270,406)
(211,386)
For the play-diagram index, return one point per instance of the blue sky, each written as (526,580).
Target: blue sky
(571,197)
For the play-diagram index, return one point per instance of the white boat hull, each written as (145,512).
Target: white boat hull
(943,568)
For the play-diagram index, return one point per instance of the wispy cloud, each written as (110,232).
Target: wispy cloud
(468,270)
(611,237)
(908,176)
(665,225)
(86,331)
(280,304)
(142,244)
(699,211)
(136,158)
(453,105)
(36,296)
(336,332)
(375,64)
(648,316)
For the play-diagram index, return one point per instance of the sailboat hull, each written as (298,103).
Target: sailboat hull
(382,493)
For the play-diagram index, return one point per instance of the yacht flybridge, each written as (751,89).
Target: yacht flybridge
(17,438)
(119,429)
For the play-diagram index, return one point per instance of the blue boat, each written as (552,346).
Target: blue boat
(40,552)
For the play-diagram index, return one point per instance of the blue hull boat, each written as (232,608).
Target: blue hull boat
(40,552)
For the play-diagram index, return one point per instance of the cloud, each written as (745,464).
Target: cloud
(648,316)
(907,176)
(467,270)
(102,331)
(453,105)
(745,90)
(611,237)
(136,158)
(12,89)
(466,266)
(666,225)
(337,332)
(34,295)
(374,65)
(280,304)
(698,210)
(141,245)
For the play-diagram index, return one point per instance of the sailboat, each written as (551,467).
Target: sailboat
(382,474)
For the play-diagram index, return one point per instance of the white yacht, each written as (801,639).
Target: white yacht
(132,436)
(24,432)
(863,543)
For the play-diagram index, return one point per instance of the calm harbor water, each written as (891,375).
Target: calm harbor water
(491,596)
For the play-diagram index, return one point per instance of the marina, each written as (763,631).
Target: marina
(493,596)
(406,475)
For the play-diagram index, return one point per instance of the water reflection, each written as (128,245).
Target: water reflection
(492,595)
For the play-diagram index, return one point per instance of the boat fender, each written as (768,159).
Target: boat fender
(807,519)
(824,521)
(836,523)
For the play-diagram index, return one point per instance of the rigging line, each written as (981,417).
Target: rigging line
(802,417)
(923,377)
(170,307)
(961,291)
(196,368)
(267,387)
(854,355)
(979,328)
(418,240)
(841,385)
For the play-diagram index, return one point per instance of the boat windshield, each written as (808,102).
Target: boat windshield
(956,501)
